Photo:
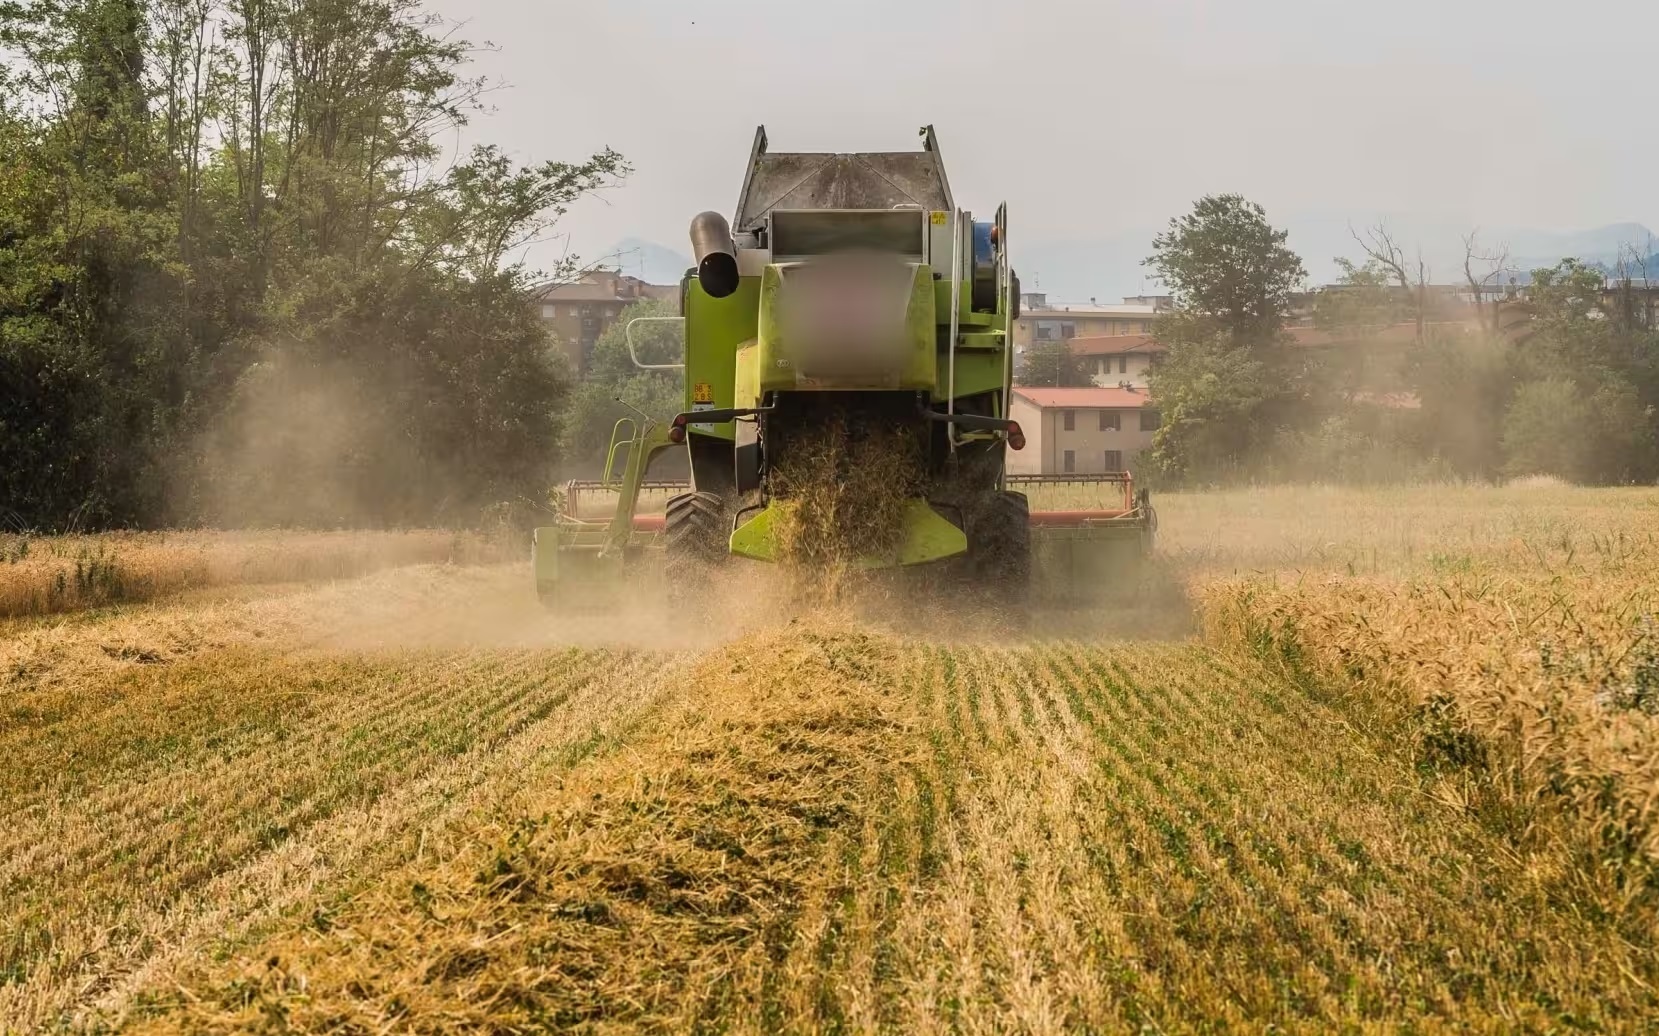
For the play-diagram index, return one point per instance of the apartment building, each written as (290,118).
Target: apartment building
(1041,321)
(578,312)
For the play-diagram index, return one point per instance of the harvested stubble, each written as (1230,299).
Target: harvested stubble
(45,575)
(238,765)
(833,831)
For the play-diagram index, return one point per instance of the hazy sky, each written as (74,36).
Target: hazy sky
(1093,118)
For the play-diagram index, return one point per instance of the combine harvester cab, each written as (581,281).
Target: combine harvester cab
(849,297)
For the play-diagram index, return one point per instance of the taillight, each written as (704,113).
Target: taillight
(676,431)
(1016,436)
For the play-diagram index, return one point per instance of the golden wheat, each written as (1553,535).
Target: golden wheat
(249,762)
(1504,639)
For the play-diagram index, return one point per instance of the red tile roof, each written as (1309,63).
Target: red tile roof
(1084,398)
(1112,345)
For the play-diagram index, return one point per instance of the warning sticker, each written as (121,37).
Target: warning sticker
(702,392)
(940,218)
(698,408)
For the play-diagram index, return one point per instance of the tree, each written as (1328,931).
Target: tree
(417,399)
(485,209)
(1600,369)
(1465,383)
(1208,395)
(1480,269)
(1363,299)
(1381,250)
(1227,385)
(1225,262)
(1052,364)
(192,225)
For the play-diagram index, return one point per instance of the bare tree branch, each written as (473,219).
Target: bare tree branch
(1496,263)
(1379,246)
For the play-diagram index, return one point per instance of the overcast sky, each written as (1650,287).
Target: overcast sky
(1097,116)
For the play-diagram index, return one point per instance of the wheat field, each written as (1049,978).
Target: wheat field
(1397,779)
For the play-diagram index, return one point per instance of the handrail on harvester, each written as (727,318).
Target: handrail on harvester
(628,336)
(617,442)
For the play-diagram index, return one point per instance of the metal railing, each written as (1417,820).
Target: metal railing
(628,335)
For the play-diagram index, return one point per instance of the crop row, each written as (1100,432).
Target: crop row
(832,829)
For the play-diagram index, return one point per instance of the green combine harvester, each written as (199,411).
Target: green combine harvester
(848,292)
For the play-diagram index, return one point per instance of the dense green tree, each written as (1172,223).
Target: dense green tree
(200,201)
(1227,385)
(1224,261)
(1210,397)
(656,342)
(1581,355)
(1464,383)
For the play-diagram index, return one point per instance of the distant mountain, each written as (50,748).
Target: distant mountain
(647,260)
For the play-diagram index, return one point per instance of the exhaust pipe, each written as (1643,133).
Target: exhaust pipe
(716,255)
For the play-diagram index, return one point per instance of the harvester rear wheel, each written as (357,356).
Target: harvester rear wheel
(999,542)
(694,535)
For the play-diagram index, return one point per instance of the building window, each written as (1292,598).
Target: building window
(1123,364)
(1114,460)
(1068,331)
(1069,461)
(1149,421)
(549,311)
(1069,419)
(1045,332)
(1109,422)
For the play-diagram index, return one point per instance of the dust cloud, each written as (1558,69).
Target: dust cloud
(333,441)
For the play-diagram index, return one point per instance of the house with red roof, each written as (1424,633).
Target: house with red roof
(1081,431)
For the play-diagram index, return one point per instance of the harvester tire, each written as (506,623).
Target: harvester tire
(999,543)
(694,537)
